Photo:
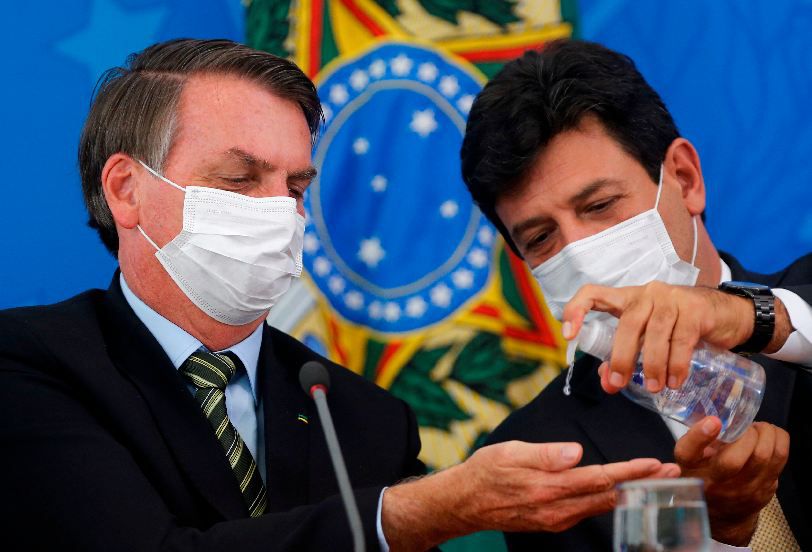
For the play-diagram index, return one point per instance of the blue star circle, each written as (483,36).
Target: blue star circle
(393,240)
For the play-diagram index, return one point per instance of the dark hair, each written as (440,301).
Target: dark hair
(133,110)
(544,93)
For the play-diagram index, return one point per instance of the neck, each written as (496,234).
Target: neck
(707,259)
(149,282)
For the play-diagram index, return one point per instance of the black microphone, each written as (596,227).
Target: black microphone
(315,381)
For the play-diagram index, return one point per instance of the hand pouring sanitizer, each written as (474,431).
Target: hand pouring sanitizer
(719,383)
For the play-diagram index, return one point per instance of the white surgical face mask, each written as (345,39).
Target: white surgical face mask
(236,255)
(635,252)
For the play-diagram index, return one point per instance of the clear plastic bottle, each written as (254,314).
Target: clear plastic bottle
(720,383)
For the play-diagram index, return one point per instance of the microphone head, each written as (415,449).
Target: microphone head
(313,373)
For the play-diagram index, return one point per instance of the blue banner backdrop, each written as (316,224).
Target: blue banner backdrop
(737,76)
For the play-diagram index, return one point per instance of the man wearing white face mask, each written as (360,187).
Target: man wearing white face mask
(163,414)
(577,161)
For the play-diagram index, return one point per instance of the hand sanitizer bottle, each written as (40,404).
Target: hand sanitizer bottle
(719,383)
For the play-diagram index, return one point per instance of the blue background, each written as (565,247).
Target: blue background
(737,75)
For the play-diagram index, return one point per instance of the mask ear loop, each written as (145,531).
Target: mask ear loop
(657,203)
(152,243)
(659,186)
(161,177)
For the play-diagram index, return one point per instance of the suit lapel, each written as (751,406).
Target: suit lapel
(187,433)
(287,435)
(642,433)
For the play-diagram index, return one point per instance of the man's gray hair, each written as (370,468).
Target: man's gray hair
(134,108)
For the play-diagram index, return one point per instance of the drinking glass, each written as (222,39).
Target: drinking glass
(661,515)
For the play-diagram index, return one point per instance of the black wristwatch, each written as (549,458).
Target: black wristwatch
(764,304)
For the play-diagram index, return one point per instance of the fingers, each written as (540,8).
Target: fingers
(732,457)
(626,347)
(770,453)
(569,511)
(690,449)
(666,471)
(599,478)
(550,457)
(592,297)
(684,338)
(657,345)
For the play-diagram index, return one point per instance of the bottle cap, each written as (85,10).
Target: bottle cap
(595,338)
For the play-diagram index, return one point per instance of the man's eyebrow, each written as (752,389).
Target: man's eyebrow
(252,161)
(587,191)
(305,174)
(249,159)
(582,195)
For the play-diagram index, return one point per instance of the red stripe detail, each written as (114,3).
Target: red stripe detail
(387,354)
(504,54)
(364,18)
(333,329)
(542,333)
(486,310)
(316,28)
(314,388)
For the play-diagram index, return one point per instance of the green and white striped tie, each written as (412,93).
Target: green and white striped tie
(210,373)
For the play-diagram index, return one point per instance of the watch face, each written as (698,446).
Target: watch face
(750,286)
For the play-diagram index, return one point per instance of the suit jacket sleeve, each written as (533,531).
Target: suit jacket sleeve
(68,479)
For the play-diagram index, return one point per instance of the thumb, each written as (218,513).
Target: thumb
(690,449)
(557,456)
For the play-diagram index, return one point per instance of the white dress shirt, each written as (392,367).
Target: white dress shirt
(243,403)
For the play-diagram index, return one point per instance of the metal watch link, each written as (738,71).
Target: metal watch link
(764,305)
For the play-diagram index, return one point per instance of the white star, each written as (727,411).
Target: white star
(423,122)
(401,65)
(377,68)
(354,300)
(378,183)
(441,295)
(391,312)
(478,258)
(449,209)
(375,310)
(359,80)
(311,243)
(322,266)
(485,235)
(449,85)
(339,94)
(463,278)
(416,307)
(370,252)
(360,146)
(328,113)
(336,284)
(465,103)
(427,72)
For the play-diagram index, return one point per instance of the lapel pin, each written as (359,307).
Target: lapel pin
(302,418)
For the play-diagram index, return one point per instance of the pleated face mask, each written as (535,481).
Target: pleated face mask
(236,255)
(632,253)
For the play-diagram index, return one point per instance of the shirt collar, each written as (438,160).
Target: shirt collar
(178,344)
(727,275)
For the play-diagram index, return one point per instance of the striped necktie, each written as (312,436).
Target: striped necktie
(210,373)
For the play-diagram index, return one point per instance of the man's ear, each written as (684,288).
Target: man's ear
(120,187)
(682,164)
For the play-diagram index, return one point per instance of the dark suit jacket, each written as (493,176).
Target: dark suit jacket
(611,428)
(104,448)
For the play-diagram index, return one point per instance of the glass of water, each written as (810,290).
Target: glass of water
(661,515)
